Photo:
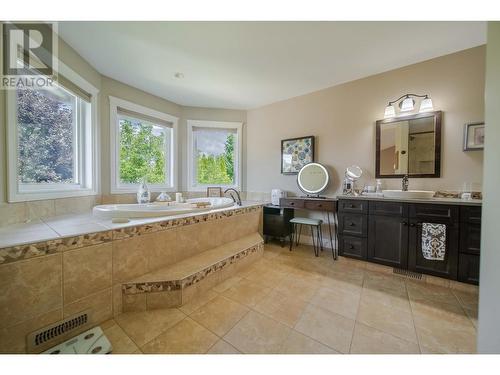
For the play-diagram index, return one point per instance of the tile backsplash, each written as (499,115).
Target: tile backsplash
(22,212)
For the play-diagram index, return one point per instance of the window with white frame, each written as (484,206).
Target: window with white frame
(50,142)
(144,147)
(214,154)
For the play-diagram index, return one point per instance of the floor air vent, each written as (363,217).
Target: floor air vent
(46,336)
(406,273)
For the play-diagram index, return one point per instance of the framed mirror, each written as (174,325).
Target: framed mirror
(409,145)
(313,178)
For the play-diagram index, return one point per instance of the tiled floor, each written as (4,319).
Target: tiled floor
(292,302)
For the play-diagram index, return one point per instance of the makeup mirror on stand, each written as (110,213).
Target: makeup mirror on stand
(313,178)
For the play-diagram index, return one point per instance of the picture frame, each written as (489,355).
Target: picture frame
(474,136)
(214,192)
(295,153)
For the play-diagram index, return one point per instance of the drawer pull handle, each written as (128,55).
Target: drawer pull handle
(351,247)
(412,224)
(292,203)
(405,223)
(351,224)
(352,206)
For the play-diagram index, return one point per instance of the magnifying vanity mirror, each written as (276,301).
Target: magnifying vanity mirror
(352,174)
(409,145)
(313,179)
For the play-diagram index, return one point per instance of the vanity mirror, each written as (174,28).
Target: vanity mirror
(313,179)
(409,145)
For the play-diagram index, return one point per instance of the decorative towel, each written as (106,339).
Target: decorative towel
(433,241)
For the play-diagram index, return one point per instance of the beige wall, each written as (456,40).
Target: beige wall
(343,120)
(489,301)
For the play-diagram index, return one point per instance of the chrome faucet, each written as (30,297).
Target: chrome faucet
(236,200)
(405,182)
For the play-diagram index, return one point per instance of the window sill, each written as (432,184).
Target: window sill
(36,196)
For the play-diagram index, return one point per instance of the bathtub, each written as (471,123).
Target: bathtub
(130,211)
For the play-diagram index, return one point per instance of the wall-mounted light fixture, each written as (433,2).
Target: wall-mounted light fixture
(407,103)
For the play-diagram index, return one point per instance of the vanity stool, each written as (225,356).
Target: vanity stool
(314,224)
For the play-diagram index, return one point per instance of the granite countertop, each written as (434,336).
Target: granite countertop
(83,223)
(452,201)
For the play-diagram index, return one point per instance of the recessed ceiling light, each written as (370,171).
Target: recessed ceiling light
(179,75)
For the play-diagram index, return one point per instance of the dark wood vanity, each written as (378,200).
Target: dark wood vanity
(389,232)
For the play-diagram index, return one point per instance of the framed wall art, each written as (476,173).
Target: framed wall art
(295,153)
(474,136)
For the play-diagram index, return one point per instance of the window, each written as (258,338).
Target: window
(144,147)
(50,142)
(214,154)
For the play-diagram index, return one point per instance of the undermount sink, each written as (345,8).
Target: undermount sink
(422,194)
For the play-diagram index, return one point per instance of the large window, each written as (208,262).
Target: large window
(144,147)
(214,154)
(50,142)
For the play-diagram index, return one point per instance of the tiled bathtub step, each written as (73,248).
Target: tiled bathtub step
(193,270)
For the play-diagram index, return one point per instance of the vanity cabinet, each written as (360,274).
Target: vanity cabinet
(470,243)
(390,233)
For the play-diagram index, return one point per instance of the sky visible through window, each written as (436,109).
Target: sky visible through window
(214,153)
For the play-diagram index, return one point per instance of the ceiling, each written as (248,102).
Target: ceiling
(244,65)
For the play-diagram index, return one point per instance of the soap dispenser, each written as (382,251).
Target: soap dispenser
(143,194)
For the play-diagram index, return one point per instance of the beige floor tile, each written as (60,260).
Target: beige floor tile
(222,347)
(199,300)
(326,327)
(418,291)
(467,300)
(444,327)
(383,282)
(258,334)
(295,287)
(342,302)
(389,298)
(226,284)
(394,321)
(247,292)
(186,337)
(282,307)
(266,275)
(144,326)
(298,343)
(345,280)
(220,314)
(368,340)
(472,314)
(122,344)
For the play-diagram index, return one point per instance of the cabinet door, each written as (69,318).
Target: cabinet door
(468,268)
(470,238)
(388,240)
(446,268)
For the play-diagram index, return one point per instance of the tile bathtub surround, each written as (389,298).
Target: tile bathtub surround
(44,282)
(29,248)
(242,315)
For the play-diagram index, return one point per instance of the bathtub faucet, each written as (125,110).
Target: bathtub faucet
(236,200)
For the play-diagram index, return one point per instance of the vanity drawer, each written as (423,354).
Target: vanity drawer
(319,205)
(291,203)
(434,211)
(354,206)
(388,208)
(470,214)
(351,224)
(353,247)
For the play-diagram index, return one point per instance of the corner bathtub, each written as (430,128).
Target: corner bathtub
(131,211)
